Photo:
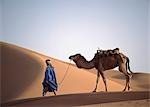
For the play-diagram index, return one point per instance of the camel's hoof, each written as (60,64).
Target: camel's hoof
(128,88)
(124,90)
(94,91)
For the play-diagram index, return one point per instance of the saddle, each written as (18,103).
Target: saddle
(108,52)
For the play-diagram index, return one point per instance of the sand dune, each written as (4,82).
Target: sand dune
(23,77)
(18,71)
(23,72)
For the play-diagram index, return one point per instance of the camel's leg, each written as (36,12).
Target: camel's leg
(104,80)
(124,71)
(127,82)
(130,76)
(97,81)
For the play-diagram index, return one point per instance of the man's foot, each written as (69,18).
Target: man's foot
(43,94)
(54,92)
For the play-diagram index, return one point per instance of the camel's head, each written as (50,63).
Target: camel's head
(75,57)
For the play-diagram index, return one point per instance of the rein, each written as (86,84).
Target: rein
(65,74)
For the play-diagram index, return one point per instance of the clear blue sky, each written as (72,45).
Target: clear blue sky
(59,28)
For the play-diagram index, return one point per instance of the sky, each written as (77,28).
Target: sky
(148,35)
(60,28)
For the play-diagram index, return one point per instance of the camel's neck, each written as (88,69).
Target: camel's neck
(83,63)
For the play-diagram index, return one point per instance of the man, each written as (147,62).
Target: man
(50,82)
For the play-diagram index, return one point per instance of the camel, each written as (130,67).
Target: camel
(103,63)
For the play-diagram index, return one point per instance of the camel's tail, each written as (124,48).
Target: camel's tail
(128,66)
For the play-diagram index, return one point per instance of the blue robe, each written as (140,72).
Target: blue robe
(50,79)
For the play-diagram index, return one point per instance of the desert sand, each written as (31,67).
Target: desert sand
(23,72)
(80,99)
(131,103)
